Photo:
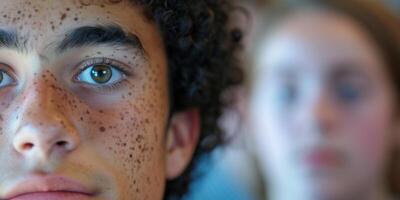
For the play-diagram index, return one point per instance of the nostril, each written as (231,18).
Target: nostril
(27,146)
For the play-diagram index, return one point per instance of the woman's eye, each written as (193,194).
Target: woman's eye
(5,79)
(348,93)
(100,74)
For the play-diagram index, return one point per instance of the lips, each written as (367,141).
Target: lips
(322,158)
(49,187)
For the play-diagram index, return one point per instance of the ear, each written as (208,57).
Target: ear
(182,137)
(241,18)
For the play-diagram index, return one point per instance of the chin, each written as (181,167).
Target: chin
(331,189)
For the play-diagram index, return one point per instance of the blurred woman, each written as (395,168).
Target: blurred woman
(324,102)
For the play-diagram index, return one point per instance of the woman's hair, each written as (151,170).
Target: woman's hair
(382,26)
(201,62)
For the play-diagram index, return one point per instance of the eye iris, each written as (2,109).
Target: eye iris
(1,76)
(348,93)
(101,73)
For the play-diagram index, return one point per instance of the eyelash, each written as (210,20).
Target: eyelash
(105,61)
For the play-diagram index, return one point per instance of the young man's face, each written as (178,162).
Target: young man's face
(83,107)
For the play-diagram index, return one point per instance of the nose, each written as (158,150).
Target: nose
(32,140)
(43,128)
(319,115)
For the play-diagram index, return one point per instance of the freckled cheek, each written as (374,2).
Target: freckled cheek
(6,98)
(133,141)
(134,127)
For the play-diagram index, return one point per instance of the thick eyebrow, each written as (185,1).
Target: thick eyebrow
(98,35)
(11,39)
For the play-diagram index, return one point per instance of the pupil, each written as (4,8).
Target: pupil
(101,73)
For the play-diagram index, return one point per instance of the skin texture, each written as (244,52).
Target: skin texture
(110,139)
(322,109)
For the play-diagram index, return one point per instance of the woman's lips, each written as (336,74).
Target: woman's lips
(322,158)
(49,187)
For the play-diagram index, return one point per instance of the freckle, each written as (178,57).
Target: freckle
(63,16)
(19,12)
(102,129)
(68,9)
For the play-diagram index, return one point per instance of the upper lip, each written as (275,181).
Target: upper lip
(49,183)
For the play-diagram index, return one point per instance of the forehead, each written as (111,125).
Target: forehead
(46,21)
(317,38)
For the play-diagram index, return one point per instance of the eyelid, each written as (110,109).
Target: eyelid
(9,71)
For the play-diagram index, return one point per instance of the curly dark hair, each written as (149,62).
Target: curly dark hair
(202,64)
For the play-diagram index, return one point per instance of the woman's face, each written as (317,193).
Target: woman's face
(322,106)
(83,101)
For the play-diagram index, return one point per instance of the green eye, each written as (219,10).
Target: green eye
(101,73)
